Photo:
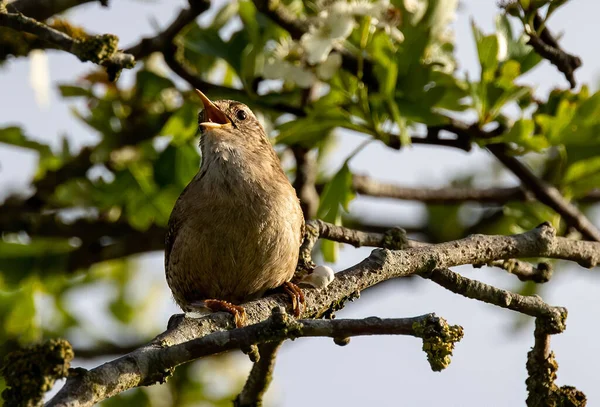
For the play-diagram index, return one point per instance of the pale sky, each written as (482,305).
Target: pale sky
(488,366)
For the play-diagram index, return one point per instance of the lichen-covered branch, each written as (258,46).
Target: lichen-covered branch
(99,49)
(529,305)
(541,368)
(395,238)
(260,376)
(155,362)
(27,386)
(180,342)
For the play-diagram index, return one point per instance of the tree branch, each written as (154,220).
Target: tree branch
(366,185)
(542,367)
(155,361)
(177,66)
(449,195)
(546,45)
(395,238)
(179,344)
(260,376)
(304,183)
(525,271)
(158,43)
(99,49)
(528,305)
(44,9)
(546,193)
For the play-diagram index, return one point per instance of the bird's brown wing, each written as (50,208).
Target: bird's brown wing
(176,219)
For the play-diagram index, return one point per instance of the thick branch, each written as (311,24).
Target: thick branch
(260,376)
(99,49)
(156,361)
(547,194)
(395,238)
(179,344)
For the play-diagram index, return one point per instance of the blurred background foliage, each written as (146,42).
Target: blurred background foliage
(308,69)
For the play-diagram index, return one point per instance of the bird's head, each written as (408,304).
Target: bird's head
(230,126)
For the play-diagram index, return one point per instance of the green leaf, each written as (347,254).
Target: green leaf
(69,91)
(149,85)
(182,125)
(522,133)
(337,195)
(19,261)
(389,85)
(21,322)
(313,128)
(583,176)
(14,136)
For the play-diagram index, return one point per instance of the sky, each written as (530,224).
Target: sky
(488,366)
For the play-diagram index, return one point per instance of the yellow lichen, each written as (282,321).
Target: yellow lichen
(31,372)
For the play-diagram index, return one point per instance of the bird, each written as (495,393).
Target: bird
(236,229)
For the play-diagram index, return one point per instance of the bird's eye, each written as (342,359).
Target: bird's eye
(241,115)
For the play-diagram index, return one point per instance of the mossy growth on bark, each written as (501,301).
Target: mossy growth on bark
(30,372)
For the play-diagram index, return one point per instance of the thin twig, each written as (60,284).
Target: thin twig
(525,271)
(546,193)
(304,183)
(449,195)
(260,376)
(528,305)
(210,89)
(546,45)
(157,43)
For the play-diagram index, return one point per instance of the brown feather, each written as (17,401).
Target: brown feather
(236,229)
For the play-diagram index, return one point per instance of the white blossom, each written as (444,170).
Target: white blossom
(39,77)
(320,40)
(502,47)
(328,69)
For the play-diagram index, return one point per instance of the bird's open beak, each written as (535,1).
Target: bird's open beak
(213,116)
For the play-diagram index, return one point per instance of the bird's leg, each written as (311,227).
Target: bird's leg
(239,313)
(297,297)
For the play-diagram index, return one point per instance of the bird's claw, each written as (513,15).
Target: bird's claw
(297,296)
(238,312)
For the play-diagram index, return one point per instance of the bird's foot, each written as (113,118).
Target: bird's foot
(297,296)
(238,312)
